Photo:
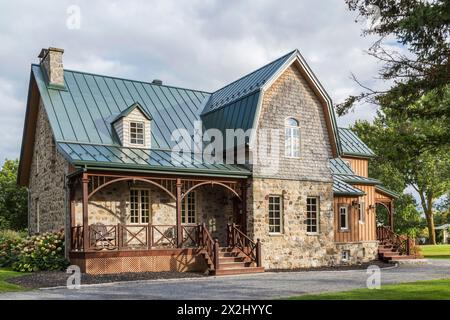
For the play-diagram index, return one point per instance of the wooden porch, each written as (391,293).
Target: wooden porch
(101,248)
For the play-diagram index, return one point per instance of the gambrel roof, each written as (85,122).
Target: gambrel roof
(237,105)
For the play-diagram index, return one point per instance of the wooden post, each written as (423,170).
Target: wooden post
(244,207)
(85,181)
(258,253)
(216,254)
(178,207)
(73,232)
(391,215)
(119,236)
(149,236)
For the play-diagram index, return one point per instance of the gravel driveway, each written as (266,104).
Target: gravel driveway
(257,286)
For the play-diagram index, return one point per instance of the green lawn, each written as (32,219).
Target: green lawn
(5,286)
(439,251)
(420,290)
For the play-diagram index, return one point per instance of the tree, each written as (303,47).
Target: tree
(13,199)
(416,65)
(399,164)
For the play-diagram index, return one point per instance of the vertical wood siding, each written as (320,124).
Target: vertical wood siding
(351,235)
(367,230)
(359,166)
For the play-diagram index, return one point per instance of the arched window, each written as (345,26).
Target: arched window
(292,138)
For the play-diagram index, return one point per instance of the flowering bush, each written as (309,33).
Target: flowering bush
(34,253)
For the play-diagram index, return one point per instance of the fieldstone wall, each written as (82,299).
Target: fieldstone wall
(291,96)
(293,248)
(46,185)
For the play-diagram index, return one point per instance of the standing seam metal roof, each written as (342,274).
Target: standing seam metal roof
(246,85)
(342,188)
(352,145)
(83,113)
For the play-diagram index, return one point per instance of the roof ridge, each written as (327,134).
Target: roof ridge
(128,79)
(254,71)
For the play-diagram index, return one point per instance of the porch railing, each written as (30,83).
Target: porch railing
(237,239)
(133,236)
(404,244)
(210,245)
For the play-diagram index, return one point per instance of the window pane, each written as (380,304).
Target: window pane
(137,132)
(145,212)
(134,203)
(275,214)
(343,217)
(291,122)
(188,209)
(312,214)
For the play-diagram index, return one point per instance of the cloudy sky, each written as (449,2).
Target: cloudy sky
(194,44)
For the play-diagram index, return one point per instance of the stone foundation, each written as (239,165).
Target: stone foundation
(359,252)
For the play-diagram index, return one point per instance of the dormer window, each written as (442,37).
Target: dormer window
(137,131)
(132,127)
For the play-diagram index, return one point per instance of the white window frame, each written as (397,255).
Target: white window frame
(143,133)
(289,148)
(317,218)
(345,255)
(345,207)
(280,212)
(362,211)
(185,204)
(140,215)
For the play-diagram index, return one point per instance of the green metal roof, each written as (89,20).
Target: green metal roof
(339,166)
(342,188)
(246,85)
(355,179)
(237,115)
(127,111)
(345,173)
(95,155)
(385,190)
(84,111)
(352,145)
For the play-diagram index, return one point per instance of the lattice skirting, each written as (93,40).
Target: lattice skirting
(104,263)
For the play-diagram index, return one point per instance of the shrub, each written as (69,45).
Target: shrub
(9,251)
(33,253)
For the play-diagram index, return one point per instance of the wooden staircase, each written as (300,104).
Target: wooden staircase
(234,261)
(394,247)
(241,256)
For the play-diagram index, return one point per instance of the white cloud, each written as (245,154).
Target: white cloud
(195,44)
(11,121)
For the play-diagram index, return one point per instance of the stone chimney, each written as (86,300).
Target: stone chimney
(51,62)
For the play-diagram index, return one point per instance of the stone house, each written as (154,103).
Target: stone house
(101,159)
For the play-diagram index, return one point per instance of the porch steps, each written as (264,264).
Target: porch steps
(387,253)
(233,261)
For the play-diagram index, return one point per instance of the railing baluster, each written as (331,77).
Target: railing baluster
(216,254)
